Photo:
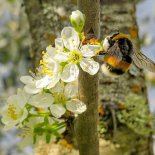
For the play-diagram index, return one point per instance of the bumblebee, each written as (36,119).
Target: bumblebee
(120,53)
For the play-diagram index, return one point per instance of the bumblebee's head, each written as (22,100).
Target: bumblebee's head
(108,41)
(111,39)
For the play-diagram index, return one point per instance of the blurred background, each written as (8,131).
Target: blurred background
(15,42)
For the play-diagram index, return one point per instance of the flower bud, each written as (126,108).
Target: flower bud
(77,19)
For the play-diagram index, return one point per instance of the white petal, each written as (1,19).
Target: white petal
(89,50)
(13,99)
(17,100)
(9,126)
(51,51)
(70,38)
(57,110)
(59,44)
(33,121)
(76,106)
(31,89)
(70,73)
(41,100)
(53,66)
(24,115)
(23,96)
(43,82)
(59,87)
(27,79)
(61,56)
(71,90)
(53,80)
(89,66)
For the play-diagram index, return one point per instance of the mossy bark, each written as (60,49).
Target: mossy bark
(118,95)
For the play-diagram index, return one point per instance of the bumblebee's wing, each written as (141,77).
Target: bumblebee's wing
(142,61)
(115,51)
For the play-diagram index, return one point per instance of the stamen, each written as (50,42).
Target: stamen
(12,111)
(60,98)
(75,57)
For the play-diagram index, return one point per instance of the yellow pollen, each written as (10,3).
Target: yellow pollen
(97,51)
(75,57)
(12,111)
(43,52)
(43,62)
(60,98)
(44,65)
(44,70)
(39,109)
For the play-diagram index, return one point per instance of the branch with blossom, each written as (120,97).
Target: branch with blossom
(51,93)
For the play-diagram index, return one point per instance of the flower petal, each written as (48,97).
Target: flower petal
(59,44)
(13,99)
(53,65)
(71,89)
(31,89)
(23,97)
(53,80)
(70,73)
(59,87)
(89,66)
(76,106)
(41,100)
(70,38)
(61,56)
(24,115)
(27,79)
(43,82)
(57,110)
(89,50)
(51,51)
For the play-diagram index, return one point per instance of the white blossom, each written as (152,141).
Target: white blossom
(76,56)
(15,112)
(50,75)
(66,99)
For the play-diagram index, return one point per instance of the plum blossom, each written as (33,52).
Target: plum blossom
(52,91)
(65,98)
(49,71)
(70,51)
(15,112)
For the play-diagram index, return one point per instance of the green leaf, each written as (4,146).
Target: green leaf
(48,138)
(46,120)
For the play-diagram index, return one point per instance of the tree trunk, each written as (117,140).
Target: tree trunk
(86,123)
(128,89)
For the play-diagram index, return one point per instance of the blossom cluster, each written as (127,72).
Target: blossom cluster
(51,94)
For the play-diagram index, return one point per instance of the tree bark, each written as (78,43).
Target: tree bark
(86,123)
(115,93)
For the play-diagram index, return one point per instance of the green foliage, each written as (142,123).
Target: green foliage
(47,129)
(135,115)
